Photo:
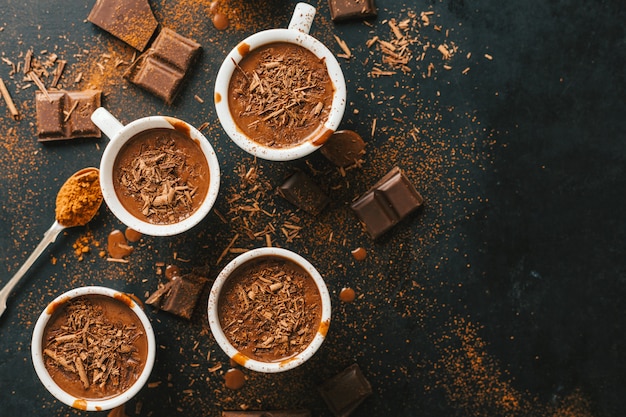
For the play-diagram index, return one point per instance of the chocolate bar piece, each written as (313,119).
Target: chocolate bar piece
(390,200)
(344,392)
(66,114)
(300,190)
(131,21)
(179,296)
(163,67)
(285,413)
(344,148)
(351,9)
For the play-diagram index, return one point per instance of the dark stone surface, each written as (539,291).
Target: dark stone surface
(502,298)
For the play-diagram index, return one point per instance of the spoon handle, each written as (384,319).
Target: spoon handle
(48,237)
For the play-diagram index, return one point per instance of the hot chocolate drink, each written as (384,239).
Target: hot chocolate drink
(280,94)
(161,176)
(270,309)
(94,346)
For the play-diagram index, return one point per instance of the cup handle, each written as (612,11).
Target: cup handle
(302,18)
(106,122)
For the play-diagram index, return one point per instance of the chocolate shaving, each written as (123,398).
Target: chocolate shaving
(58,72)
(27,61)
(397,53)
(9,101)
(34,78)
(155,176)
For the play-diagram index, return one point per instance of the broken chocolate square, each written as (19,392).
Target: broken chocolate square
(66,114)
(276,413)
(351,9)
(131,21)
(388,202)
(344,148)
(179,296)
(162,69)
(159,79)
(344,392)
(300,190)
(174,49)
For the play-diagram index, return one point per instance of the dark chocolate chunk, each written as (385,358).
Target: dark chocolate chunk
(131,21)
(300,190)
(344,392)
(66,114)
(388,202)
(351,9)
(162,69)
(179,296)
(344,148)
(281,413)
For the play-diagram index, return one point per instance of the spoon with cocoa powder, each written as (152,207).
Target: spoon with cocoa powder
(77,203)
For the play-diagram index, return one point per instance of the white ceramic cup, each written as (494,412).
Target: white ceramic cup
(37,346)
(119,135)
(296,33)
(222,340)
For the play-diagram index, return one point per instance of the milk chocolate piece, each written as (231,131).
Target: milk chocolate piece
(162,69)
(344,392)
(66,114)
(351,9)
(388,202)
(179,296)
(131,21)
(161,80)
(285,413)
(344,148)
(300,190)
(176,50)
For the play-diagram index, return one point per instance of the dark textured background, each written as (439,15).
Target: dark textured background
(502,297)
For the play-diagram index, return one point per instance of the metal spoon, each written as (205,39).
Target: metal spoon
(51,234)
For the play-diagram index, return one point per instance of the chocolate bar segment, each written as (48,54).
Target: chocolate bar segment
(81,105)
(344,148)
(389,201)
(351,9)
(300,190)
(275,413)
(176,50)
(131,21)
(50,115)
(162,69)
(179,296)
(66,114)
(346,391)
(375,214)
(161,80)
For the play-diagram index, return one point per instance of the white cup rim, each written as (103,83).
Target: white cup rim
(234,353)
(51,385)
(253,42)
(106,176)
